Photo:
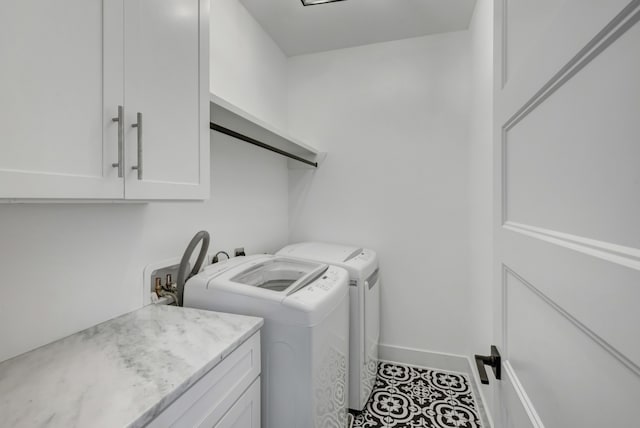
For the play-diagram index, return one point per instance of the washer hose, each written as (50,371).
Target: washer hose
(182,270)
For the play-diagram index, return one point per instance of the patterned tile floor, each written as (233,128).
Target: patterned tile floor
(407,396)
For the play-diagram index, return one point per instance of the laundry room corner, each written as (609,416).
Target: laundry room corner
(397,140)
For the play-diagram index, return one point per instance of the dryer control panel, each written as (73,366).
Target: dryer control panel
(363,264)
(364,256)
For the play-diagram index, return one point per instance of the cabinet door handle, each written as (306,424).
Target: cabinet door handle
(138,125)
(120,163)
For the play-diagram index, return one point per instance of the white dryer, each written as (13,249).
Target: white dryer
(364,318)
(305,342)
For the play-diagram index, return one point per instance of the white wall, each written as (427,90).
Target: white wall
(394,119)
(65,267)
(247,67)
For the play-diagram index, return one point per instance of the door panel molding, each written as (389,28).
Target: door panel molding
(601,294)
(609,34)
(522,396)
(618,26)
(613,351)
(624,256)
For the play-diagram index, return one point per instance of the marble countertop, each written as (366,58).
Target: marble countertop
(120,373)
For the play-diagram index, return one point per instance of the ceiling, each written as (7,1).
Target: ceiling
(300,30)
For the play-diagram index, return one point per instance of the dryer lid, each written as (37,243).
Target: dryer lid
(329,253)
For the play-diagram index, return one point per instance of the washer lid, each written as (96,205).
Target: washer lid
(329,253)
(281,275)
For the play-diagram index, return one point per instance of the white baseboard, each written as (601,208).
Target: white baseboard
(419,357)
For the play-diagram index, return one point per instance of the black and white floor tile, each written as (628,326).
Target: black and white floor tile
(407,396)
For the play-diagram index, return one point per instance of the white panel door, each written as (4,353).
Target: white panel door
(167,86)
(60,86)
(567,214)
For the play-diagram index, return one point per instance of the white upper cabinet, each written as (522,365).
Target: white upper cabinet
(60,86)
(167,87)
(66,67)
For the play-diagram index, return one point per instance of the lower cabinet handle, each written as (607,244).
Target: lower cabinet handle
(120,163)
(138,125)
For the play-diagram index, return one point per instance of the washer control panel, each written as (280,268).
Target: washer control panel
(333,283)
(325,283)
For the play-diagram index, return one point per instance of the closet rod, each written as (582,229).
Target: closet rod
(250,140)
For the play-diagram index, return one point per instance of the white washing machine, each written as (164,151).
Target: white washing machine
(364,318)
(305,337)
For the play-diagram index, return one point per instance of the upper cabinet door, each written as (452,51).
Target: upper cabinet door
(60,86)
(167,93)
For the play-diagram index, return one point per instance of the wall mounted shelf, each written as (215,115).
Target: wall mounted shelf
(237,123)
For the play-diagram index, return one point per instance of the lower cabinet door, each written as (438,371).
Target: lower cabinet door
(212,398)
(245,413)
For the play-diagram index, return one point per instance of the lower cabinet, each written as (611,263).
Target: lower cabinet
(227,396)
(245,413)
